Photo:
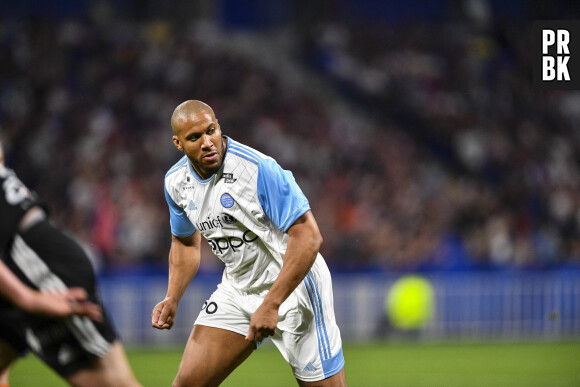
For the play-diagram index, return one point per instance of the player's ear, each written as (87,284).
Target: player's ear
(177,143)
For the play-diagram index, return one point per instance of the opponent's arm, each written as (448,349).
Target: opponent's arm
(303,245)
(184,259)
(69,302)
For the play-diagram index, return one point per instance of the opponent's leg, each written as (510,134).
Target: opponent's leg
(210,355)
(336,380)
(110,370)
(4,377)
(7,356)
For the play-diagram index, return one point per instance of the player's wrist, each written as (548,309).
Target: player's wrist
(272,304)
(172,298)
(28,301)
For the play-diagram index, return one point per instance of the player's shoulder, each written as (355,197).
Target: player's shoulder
(176,167)
(176,171)
(246,152)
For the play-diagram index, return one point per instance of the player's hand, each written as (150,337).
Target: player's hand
(72,301)
(262,324)
(164,313)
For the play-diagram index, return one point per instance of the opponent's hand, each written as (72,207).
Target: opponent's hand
(262,324)
(72,301)
(164,313)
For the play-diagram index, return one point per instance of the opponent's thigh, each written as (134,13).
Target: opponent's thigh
(110,370)
(210,355)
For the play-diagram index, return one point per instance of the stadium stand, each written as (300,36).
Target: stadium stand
(423,145)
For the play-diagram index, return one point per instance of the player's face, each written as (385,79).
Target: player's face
(200,137)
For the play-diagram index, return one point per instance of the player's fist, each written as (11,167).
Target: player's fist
(164,313)
(262,324)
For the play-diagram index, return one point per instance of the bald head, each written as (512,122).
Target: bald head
(198,134)
(187,111)
(1,154)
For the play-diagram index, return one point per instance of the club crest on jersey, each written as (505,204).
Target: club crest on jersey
(228,177)
(227,200)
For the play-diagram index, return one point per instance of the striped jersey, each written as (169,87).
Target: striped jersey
(15,201)
(243,211)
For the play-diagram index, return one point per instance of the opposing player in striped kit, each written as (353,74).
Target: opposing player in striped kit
(46,258)
(259,223)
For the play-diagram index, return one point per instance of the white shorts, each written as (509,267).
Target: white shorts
(307,334)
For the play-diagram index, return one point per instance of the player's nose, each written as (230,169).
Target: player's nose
(206,141)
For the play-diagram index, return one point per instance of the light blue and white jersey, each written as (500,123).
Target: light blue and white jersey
(243,210)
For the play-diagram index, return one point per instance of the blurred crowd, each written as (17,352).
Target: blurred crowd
(456,161)
(482,164)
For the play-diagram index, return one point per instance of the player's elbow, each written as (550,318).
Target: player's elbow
(314,247)
(316,242)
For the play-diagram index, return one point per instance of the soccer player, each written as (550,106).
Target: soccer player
(275,283)
(46,258)
(56,304)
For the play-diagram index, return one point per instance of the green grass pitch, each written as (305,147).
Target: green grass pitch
(495,364)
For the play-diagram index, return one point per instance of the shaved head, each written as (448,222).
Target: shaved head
(187,110)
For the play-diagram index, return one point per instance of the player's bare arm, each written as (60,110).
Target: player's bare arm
(58,304)
(184,259)
(303,245)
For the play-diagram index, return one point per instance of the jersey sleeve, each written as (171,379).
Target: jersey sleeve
(279,195)
(181,226)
